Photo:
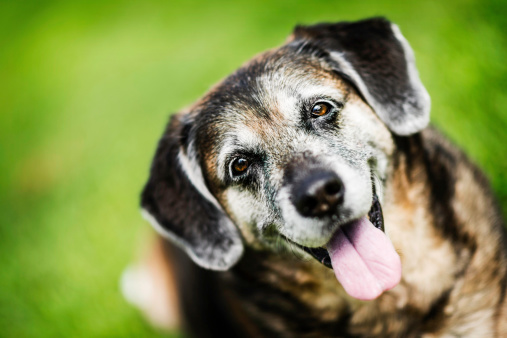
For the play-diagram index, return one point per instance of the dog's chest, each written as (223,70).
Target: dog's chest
(302,298)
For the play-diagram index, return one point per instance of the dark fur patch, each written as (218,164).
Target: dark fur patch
(169,196)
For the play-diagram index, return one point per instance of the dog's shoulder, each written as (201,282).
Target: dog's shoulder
(466,226)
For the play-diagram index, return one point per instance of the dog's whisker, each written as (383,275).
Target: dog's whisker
(295,252)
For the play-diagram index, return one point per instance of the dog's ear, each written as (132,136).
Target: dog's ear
(375,57)
(178,204)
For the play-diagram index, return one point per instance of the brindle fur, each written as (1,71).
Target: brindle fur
(438,209)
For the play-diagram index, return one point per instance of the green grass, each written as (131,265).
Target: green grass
(87,86)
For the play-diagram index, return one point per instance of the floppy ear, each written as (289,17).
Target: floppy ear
(180,207)
(375,57)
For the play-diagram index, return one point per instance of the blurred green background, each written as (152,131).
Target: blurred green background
(86,88)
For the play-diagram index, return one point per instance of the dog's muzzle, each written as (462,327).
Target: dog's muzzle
(362,257)
(319,195)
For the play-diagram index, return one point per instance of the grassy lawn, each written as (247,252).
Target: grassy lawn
(87,86)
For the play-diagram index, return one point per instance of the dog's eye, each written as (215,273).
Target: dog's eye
(321,109)
(239,166)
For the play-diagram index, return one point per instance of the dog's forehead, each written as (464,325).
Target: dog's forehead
(264,98)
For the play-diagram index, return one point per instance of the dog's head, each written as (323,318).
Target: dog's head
(293,145)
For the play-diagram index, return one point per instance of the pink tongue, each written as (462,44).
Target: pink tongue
(364,260)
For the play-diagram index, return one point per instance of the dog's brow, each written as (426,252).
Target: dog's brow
(324,91)
(246,137)
(285,97)
(289,107)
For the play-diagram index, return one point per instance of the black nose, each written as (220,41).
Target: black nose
(319,194)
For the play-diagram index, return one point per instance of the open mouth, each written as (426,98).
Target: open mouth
(376,218)
(362,257)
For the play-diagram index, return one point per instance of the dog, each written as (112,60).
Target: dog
(305,195)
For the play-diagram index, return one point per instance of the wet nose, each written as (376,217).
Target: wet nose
(319,194)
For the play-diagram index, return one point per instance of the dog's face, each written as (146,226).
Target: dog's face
(292,151)
(293,145)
